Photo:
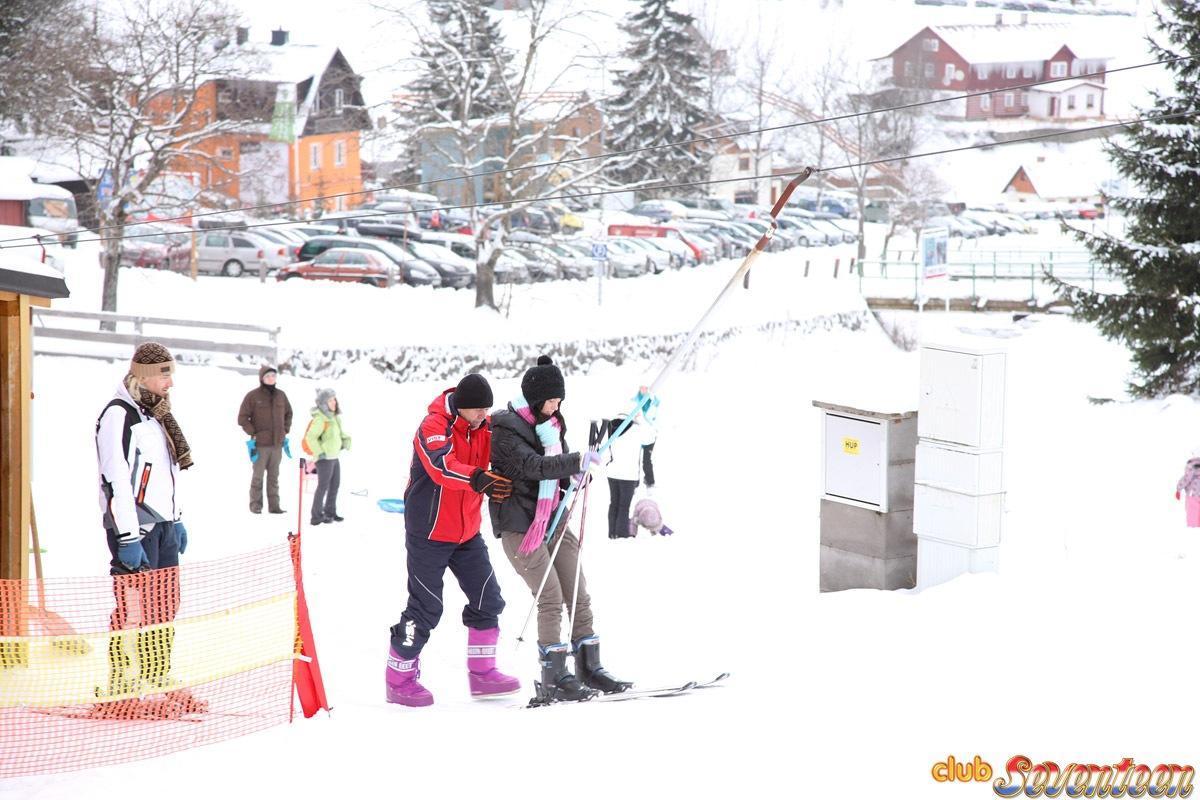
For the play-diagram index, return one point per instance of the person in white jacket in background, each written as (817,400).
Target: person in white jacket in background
(141,450)
(624,470)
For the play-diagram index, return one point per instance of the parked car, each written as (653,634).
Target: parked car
(456,271)
(659,210)
(992,227)
(657,259)
(624,261)
(827,205)
(877,211)
(759,227)
(148,245)
(848,227)
(229,253)
(574,264)
(955,227)
(436,219)
(459,243)
(280,250)
(412,269)
(308,230)
(793,234)
(222,221)
(350,264)
(397,234)
(511,267)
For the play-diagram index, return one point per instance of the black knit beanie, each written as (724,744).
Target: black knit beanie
(473,391)
(543,382)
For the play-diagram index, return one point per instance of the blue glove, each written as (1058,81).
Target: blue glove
(252,446)
(132,556)
(181,534)
(287,448)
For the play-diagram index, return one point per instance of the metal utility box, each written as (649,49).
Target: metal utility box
(867,457)
(962,395)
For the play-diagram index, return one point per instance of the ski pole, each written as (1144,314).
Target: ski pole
(573,497)
(300,500)
(578,556)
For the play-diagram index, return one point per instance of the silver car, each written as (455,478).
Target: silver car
(230,253)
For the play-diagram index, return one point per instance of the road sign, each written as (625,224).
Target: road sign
(600,251)
(104,188)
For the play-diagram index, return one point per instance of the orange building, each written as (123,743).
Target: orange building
(295,128)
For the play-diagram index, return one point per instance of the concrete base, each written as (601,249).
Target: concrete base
(841,569)
(864,549)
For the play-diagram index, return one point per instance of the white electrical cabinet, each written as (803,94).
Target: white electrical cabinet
(962,395)
(960,469)
(938,562)
(964,519)
(958,492)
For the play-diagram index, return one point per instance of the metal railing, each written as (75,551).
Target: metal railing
(266,349)
(994,268)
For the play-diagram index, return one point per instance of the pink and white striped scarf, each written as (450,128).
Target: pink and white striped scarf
(549,433)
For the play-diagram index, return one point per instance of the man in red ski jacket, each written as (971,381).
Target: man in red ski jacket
(447,480)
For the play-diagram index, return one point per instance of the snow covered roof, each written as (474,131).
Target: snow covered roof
(1066,86)
(290,63)
(23,272)
(1060,179)
(16,182)
(1005,44)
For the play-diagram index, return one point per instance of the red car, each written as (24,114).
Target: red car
(343,264)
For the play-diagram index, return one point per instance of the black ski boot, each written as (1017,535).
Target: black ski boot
(558,684)
(589,669)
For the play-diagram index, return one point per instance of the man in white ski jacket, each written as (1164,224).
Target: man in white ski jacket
(141,450)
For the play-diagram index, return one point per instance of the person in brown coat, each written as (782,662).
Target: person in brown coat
(266,415)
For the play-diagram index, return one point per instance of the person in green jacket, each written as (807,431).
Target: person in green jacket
(324,440)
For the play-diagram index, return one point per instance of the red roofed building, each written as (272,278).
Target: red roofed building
(999,58)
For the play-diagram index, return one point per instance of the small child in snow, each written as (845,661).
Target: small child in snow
(646,514)
(1189,486)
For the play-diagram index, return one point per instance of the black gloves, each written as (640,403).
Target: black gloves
(494,486)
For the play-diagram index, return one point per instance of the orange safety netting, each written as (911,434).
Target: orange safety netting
(95,671)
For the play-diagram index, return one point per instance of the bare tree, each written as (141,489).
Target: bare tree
(871,135)
(917,190)
(760,82)
(126,104)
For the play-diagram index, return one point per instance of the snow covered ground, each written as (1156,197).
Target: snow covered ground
(1072,652)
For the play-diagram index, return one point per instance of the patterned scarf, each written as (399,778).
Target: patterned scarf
(549,433)
(160,409)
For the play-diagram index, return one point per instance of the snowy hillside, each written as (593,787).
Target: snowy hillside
(873,687)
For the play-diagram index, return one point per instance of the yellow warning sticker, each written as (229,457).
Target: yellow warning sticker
(849,446)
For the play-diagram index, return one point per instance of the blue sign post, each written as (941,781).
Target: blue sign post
(600,254)
(104,189)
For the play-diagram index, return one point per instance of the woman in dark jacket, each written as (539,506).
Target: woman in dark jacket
(529,446)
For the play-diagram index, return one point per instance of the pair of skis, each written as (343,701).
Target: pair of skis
(634,694)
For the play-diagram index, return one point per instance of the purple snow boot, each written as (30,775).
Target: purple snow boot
(485,679)
(402,684)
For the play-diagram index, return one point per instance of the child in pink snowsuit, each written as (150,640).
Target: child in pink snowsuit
(1189,485)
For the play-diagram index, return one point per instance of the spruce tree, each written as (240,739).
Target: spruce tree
(462,69)
(661,100)
(1157,316)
